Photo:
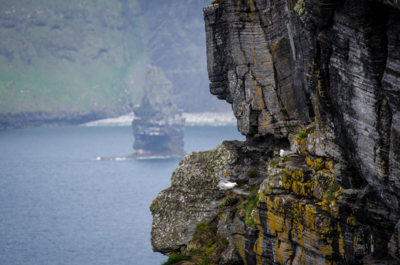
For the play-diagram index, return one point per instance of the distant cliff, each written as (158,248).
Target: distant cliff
(320,78)
(71,58)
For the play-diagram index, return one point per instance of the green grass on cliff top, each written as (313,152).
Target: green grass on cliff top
(69,55)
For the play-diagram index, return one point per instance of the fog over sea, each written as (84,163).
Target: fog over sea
(60,206)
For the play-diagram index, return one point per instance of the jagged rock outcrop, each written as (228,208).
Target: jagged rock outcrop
(158,126)
(193,196)
(324,75)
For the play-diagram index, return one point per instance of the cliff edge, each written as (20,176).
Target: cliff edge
(320,78)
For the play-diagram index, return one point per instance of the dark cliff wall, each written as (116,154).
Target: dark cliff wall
(284,64)
(322,76)
(337,63)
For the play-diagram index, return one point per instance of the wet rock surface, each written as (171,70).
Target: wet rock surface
(158,126)
(323,78)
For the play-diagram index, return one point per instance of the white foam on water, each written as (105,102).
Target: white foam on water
(154,157)
(200,118)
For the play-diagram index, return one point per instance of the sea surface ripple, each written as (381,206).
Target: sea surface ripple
(59,205)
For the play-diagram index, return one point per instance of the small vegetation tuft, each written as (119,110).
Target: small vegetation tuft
(318,168)
(302,134)
(335,187)
(274,163)
(251,173)
(202,227)
(295,213)
(230,201)
(175,258)
(215,2)
(213,244)
(211,249)
(248,206)
(329,195)
(250,221)
(254,188)
(205,261)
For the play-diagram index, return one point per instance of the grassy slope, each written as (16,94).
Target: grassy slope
(72,55)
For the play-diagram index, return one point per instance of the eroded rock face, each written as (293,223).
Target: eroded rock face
(255,64)
(324,75)
(285,63)
(158,126)
(338,62)
(193,196)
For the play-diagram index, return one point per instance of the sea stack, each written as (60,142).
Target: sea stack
(158,126)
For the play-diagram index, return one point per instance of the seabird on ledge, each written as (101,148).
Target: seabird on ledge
(226,185)
(287,153)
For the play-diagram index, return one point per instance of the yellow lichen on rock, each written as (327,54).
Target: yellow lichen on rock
(240,245)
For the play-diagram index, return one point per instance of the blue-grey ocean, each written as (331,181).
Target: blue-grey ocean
(60,206)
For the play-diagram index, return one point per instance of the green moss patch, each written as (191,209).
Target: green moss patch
(318,168)
(175,258)
(247,206)
(230,201)
(251,173)
(212,244)
(329,195)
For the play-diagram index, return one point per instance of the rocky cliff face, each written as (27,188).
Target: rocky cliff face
(322,77)
(158,126)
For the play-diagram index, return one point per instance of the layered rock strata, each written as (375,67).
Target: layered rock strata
(158,126)
(323,75)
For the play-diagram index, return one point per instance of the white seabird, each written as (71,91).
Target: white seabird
(226,185)
(287,153)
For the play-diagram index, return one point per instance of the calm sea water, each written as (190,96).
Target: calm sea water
(59,206)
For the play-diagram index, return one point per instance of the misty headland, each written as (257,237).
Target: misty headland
(71,62)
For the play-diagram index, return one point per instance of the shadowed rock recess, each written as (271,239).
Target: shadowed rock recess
(158,126)
(319,77)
